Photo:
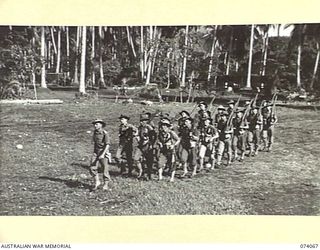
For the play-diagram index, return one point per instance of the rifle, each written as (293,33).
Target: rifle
(273,110)
(194,108)
(212,100)
(253,103)
(230,118)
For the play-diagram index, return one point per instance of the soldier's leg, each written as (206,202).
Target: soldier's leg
(193,160)
(149,162)
(242,144)
(161,164)
(257,141)
(221,147)
(119,160)
(202,152)
(264,136)
(270,138)
(94,171)
(184,160)
(106,176)
(234,147)
(172,166)
(229,150)
(128,152)
(138,161)
(251,142)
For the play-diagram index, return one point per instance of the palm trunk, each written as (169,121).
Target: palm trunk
(43,68)
(156,52)
(250,59)
(82,87)
(265,55)
(184,69)
(68,51)
(76,74)
(150,57)
(53,40)
(102,82)
(212,53)
(59,51)
(316,65)
(92,57)
(130,42)
(299,67)
(229,53)
(49,54)
(141,53)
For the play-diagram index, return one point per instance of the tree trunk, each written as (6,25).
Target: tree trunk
(92,57)
(82,86)
(76,74)
(316,65)
(229,53)
(68,51)
(53,40)
(156,52)
(43,68)
(299,67)
(184,69)
(250,59)
(141,53)
(150,56)
(130,42)
(33,80)
(59,51)
(49,54)
(102,82)
(212,52)
(265,55)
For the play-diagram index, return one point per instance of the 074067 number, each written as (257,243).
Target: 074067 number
(309,245)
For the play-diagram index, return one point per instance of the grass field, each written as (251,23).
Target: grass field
(49,176)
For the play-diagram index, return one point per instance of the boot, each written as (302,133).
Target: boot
(97,182)
(172,176)
(185,170)
(160,174)
(194,172)
(242,157)
(106,185)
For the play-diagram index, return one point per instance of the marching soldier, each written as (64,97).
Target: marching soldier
(188,155)
(268,121)
(208,133)
(144,151)
(225,135)
(202,114)
(221,110)
(101,154)
(126,134)
(240,127)
(254,132)
(167,142)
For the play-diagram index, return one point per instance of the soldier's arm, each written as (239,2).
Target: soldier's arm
(176,138)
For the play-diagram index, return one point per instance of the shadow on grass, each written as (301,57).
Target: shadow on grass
(68,183)
(87,167)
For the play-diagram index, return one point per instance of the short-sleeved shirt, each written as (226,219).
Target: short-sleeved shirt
(239,125)
(167,138)
(207,132)
(186,135)
(101,139)
(254,120)
(223,132)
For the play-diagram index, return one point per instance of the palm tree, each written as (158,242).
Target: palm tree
(184,69)
(43,67)
(248,85)
(297,39)
(82,87)
(313,32)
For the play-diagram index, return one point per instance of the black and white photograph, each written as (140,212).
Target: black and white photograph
(160,120)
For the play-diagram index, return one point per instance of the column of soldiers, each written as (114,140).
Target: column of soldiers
(194,143)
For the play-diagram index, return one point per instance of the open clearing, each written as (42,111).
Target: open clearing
(49,176)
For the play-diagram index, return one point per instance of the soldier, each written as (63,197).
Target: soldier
(144,151)
(188,155)
(255,121)
(221,110)
(126,134)
(202,114)
(268,121)
(101,154)
(208,133)
(240,127)
(225,135)
(167,142)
